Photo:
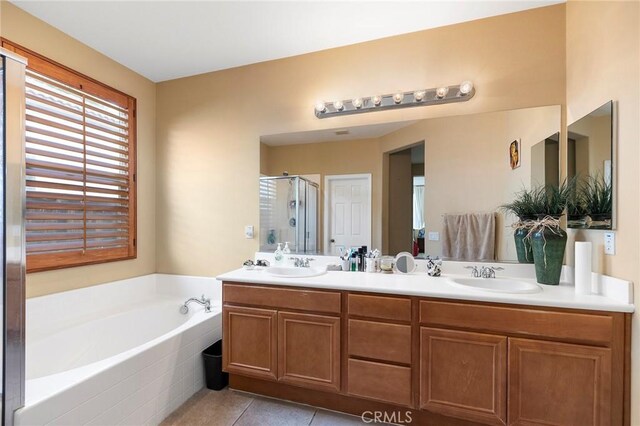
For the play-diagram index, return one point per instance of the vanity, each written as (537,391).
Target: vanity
(418,346)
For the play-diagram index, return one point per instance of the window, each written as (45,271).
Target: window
(80,168)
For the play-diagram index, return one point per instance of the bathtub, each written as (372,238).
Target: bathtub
(117,353)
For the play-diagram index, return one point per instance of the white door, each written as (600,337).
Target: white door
(347,212)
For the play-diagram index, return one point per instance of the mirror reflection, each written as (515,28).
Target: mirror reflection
(589,162)
(427,187)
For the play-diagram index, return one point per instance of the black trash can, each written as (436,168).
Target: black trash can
(214,376)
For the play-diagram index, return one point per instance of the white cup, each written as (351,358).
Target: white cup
(346,264)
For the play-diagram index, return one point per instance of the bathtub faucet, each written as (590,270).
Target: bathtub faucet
(203,301)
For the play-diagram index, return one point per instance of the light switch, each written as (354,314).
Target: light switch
(248,231)
(610,243)
(434,236)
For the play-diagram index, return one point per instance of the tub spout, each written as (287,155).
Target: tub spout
(184,309)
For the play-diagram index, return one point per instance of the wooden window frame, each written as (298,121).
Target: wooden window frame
(74,79)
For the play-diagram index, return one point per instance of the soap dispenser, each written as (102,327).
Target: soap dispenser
(279,255)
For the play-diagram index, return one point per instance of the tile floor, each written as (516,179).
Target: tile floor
(232,408)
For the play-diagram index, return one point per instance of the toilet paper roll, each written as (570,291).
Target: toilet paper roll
(582,271)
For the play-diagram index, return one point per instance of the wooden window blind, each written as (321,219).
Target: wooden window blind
(80,168)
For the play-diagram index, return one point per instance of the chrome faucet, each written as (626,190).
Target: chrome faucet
(300,262)
(489,271)
(475,272)
(484,271)
(184,309)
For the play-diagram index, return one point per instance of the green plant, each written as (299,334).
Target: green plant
(553,199)
(597,195)
(525,205)
(576,204)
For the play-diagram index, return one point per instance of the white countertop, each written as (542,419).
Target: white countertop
(420,284)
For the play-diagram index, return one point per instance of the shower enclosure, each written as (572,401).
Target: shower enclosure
(289,213)
(12,237)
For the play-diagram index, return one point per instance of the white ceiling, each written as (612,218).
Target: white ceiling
(163,40)
(331,135)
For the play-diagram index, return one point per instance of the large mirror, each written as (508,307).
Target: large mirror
(590,147)
(431,187)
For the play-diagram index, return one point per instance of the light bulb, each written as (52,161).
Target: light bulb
(320,107)
(377,100)
(466,87)
(441,92)
(398,97)
(418,95)
(338,105)
(357,103)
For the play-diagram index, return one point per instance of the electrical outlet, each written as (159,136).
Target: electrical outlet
(610,243)
(434,236)
(248,231)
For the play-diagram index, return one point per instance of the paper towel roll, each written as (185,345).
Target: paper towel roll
(582,271)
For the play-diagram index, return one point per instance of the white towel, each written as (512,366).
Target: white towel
(470,236)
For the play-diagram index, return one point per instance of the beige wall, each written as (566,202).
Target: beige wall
(204,201)
(603,63)
(34,34)
(330,158)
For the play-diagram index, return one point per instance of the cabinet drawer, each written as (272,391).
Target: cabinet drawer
(385,342)
(389,308)
(571,327)
(383,382)
(275,297)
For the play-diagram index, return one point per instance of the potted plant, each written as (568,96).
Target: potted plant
(597,195)
(548,239)
(526,207)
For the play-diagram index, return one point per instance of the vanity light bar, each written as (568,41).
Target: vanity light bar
(422,97)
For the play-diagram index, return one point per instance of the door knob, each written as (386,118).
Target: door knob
(332,240)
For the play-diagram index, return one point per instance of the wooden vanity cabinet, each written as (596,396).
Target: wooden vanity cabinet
(275,341)
(464,375)
(249,341)
(554,383)
(448,362)
(309,350)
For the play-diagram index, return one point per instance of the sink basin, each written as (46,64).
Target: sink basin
(496,285)
(289,272)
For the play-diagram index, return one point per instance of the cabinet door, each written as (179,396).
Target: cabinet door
(249,342)
(558,384)
(464,375)
(309,350)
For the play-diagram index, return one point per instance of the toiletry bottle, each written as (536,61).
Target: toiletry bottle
(279,255)
(354,261)
(360,260)
(286,254)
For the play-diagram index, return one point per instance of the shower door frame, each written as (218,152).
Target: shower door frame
(14,262)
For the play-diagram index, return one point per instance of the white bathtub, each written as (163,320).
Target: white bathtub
(117,353)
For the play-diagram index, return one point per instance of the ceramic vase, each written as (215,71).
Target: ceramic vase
(548,253)
(523,246)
